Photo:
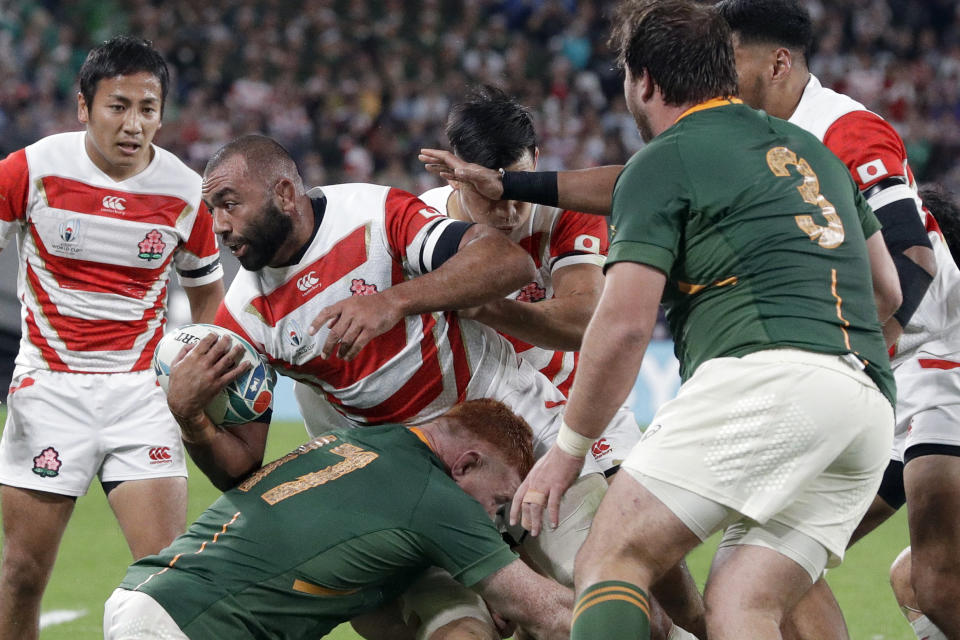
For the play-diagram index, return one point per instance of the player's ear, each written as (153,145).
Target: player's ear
(536,157)
(286,193)
(83,112)
(782,63)
(466,463)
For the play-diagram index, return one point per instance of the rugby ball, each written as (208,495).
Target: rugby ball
(243,400)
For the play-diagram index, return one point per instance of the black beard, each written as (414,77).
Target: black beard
(265,237)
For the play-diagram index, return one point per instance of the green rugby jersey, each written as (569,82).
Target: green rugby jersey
(761,232)
(336,528)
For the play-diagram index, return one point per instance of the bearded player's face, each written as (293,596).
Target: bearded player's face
(245,215)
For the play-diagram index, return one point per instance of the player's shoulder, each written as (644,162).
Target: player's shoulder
(55,149)
(820,107)
(171,171)
(437,198)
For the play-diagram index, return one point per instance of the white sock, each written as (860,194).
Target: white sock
(676,633)
(926,630)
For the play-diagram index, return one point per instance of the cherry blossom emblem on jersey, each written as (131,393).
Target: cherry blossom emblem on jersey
(47,464)
(152,246)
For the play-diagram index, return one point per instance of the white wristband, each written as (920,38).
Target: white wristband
(572,442)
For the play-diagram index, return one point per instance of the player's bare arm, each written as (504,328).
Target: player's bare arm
(197,375)
(557,323)
(886,287)
(610,358)
(487,266)
(538,604)
(585,190)
(204,301)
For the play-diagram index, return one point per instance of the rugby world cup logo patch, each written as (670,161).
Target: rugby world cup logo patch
(70,230)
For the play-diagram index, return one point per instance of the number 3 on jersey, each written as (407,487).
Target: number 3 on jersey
(829,236)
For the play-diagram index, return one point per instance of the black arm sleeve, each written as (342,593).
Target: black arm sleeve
(903,229)
(446,245)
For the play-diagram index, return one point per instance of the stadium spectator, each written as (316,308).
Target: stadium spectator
(318,522)
(101,217)
(772,38)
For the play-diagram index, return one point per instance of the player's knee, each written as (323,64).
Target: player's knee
(900,579)
(937,586)
(465,629)
(23,576)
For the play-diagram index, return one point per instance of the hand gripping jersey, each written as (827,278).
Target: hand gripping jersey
(96,254)
(874,152)
(371,238)
(554,238)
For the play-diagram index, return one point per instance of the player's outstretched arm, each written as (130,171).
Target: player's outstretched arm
(557,323)
(536,603)
(204,301)
(586,190)
(201,371)
(487,265)
(613,349)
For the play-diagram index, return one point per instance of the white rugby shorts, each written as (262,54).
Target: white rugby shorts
(792,436)
(63,429)
(133,615)
(928,403)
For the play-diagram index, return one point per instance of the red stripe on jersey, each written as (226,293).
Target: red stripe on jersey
(461,364)
(47,352)
(341,373)
(14,186)
(344,257)
(80,334)
(73,195)
(931,223)
(100,277)
(422,388)
(404,216)
(202,241)
(935,363)
(146,356)
(532,244)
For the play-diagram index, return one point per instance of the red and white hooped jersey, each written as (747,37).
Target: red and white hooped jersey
(555,238)
(873,151)
(371,238)
(96,254)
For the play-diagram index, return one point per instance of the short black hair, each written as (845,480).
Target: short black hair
(685,47)
(781,22)
(121,56)
(490,128)
(943,205)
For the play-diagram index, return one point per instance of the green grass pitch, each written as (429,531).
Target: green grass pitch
(94,556)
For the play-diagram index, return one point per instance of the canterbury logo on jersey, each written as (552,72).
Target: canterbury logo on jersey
(159,455)
(114,202)
(307,282)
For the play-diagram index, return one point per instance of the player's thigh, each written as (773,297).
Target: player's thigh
(52,436)
(754,578)
(132,615)
(932,484)
(635,536)
(151,512)
(33,525)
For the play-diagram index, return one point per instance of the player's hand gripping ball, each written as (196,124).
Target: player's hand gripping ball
(243,400)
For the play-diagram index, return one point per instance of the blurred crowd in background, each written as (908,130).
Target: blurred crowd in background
(353,88)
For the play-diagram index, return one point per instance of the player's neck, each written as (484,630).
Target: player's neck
(453,208)
(117,172)
(790,99)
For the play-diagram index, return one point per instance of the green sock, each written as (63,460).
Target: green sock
(611,610)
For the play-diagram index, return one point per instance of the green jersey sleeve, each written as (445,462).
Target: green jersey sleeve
(651,201)
(458,535)
(868,220)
